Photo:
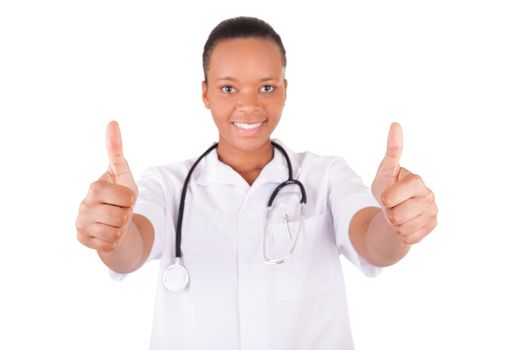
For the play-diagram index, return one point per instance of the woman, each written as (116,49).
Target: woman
(256,280)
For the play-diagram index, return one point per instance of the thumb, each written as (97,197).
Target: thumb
(390,163)
(118,166)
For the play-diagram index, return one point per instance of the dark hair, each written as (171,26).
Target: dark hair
(240,27)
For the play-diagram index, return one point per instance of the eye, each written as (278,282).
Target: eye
(267,88)
(227,89)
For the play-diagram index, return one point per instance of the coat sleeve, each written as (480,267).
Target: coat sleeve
(347,195)
(151,203)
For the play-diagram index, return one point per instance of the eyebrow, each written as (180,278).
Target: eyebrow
(233,79)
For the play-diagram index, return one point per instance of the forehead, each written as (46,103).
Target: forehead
(245,57)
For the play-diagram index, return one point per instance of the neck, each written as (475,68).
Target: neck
(248,163)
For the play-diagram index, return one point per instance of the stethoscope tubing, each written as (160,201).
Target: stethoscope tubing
(176,276)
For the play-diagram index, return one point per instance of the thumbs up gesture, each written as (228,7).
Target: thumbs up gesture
(409,206)
(118,170)
(104,215)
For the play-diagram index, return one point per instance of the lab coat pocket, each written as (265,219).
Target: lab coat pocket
(311,268)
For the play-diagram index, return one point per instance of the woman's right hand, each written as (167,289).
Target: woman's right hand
(106,212)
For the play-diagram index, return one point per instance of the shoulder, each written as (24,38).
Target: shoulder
(327,169)
(313,161)
(167,174)
(310,157)
(319,170)
(172,169)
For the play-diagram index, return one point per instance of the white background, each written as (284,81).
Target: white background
(451,72)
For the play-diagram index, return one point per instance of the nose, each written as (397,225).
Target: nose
(248,102)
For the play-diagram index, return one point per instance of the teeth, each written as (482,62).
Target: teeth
(247,126)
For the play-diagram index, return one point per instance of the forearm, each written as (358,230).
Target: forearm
(133,249)
(375,239)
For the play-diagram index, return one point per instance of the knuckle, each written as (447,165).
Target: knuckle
(123,219)
(115,245)
(96,230)
(110,246)
(132,197)
(423,233)
(436,211)
(415,179)
(95,189)
(80,225)
(106,232)
(83,207)
(392,216)
(430,196)
(433,223)
(129,214)
(385,199)
(117,234)
(83,215)
(102,246)
(414,239)
(84,239)
(99,245)
(93,186)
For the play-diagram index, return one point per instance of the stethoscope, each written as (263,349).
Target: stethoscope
(176,277)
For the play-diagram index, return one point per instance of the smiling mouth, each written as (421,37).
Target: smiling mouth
(248,126)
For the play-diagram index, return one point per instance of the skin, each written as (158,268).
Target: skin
(408,210)
(246,84)
(106,221)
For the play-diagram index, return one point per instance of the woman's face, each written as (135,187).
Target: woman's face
(246,91)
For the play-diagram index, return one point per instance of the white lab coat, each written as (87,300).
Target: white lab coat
(233,300)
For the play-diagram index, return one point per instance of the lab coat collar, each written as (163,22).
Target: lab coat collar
(213,171)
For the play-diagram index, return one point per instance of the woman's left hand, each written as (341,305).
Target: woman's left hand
(408,204)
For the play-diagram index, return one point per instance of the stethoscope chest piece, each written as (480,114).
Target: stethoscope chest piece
(175,276)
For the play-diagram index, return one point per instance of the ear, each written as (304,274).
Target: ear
(285,87)
(205,94)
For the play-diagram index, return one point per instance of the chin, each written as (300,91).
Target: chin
(247,144)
